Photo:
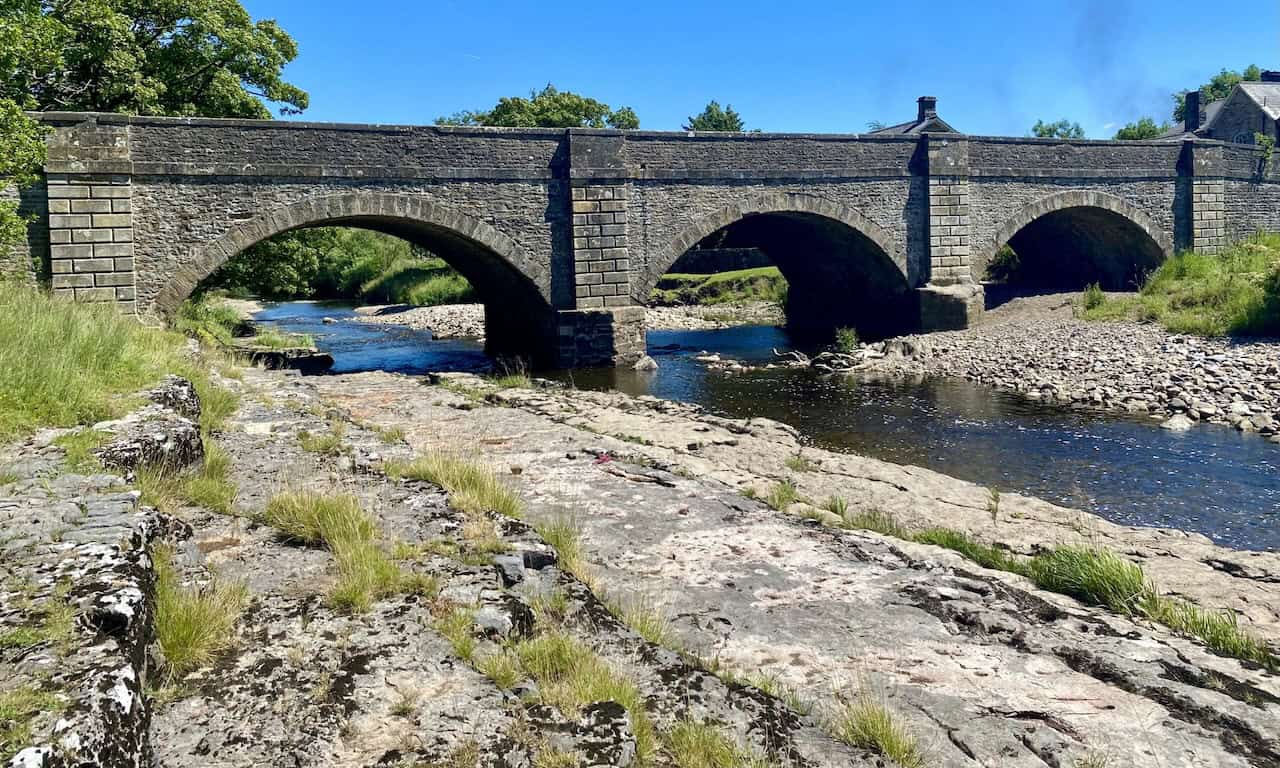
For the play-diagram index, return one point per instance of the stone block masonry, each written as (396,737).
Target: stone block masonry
(1208,215)
(949,231)
(91,239)
(601,267)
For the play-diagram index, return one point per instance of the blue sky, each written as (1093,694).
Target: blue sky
(821,65)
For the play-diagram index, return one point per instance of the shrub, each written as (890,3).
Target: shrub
(846,340)
(1093,296)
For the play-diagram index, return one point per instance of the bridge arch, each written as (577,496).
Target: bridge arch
(842,268)
(518,312)
(1071,239)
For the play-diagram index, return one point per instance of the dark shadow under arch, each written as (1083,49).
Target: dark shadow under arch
(518,315)
(1072,239)
(842,269)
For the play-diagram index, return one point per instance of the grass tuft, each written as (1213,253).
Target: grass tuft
(457,627)
(1092,575)
(801,463)
(209,486)
(868,723)
(503,668)
(877,521)
(79,447)
(570,675)
(326,444)
(782,495)
(18,707)
(983,554)
(193,624)
(471,486)
(366,572)
(695,744)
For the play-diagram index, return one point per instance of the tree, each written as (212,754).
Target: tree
(1145,128)
(161,57)
(1218,87)
(548,108)
(715,118)
(1063,129)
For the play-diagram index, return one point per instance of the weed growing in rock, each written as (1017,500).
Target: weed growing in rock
(1092,575)
(502,668)
(406,702)
(471,486)
(983,554)
(836,505)
(8,476)
(327,444)
(554,758)
(570,676)
(694,744)
(456,626)
(782,495)
(647,618)
(801,463)
(564,534)
(209,486)
(993,503)
(770,684)
(1218,629)
(390,435)
(79,447)
(54,623)
(193,624)
(868,723)
(1093,296)
(365,571)
(875,520)
(18,707)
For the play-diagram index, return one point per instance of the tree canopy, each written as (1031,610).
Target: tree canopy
(1218,87)
(715,118)
(1062,129)
(160,57)
(1145,128)
(548,108)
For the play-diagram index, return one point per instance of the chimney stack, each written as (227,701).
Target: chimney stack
(1191,112)
(928,108)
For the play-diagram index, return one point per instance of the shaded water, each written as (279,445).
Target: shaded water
(1210,479)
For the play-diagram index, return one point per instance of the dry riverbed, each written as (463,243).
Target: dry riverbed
(764,627)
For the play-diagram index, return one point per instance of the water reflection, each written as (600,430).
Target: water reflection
(1211,479)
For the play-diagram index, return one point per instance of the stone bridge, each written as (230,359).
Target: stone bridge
(564,232)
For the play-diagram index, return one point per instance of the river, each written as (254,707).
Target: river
(1211,479)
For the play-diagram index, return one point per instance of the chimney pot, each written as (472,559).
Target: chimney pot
(928,107)
(1191,112)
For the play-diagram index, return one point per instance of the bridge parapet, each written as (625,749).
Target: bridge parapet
(563,232)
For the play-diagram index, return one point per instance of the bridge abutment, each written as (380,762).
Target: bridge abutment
(951,299)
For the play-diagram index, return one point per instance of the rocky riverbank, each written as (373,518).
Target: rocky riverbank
(1037,347)
(765,628)
(467,320)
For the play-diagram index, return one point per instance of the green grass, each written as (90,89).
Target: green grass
(472,487)
(836,505)
(210,486)
(868,723)
(1234,293)
(79,447)
(503,668)
(782,495)
(326,444)
(694,744)
(564,534)
(272,338)
(1094,576)
(570,676)
(365,571)
(390,435)
(420,282)
(798,462)
(457,626)
(193,624)
(646,618)
(18,707)
(54,623)
(733,287)
(209,320)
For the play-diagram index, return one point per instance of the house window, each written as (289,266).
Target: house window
(1243,138)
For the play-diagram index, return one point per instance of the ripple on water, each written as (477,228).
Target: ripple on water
(1211,479)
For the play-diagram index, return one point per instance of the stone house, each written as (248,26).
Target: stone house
(1250,108)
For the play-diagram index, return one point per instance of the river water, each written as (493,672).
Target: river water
(1211,479)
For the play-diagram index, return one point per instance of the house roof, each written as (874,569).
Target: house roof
(1211,111)
(1265,95)
(932,124)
